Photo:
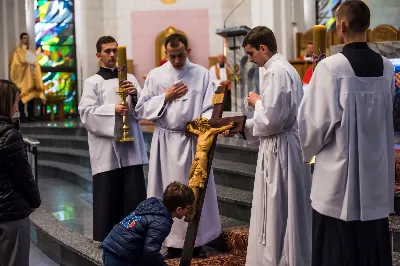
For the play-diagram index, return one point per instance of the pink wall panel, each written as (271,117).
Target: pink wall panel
(146,25)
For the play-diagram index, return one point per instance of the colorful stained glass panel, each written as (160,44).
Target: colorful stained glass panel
(61,84)
(54,55)
(55,48)
(54,33)
(55,11)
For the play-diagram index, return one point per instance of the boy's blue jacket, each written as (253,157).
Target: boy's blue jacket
(139,236)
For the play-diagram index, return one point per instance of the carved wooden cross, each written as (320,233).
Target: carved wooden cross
(216,122)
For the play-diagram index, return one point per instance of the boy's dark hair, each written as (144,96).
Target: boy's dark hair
(22,35)
(104,40)
(261,35)
(8,94)
(174,40)
(177,195)
(358,14)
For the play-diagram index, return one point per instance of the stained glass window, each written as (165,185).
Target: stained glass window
(326,12)
(56,50)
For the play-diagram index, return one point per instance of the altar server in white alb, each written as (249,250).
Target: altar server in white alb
(117,168)
(171,107)
(280,224)
(345,119)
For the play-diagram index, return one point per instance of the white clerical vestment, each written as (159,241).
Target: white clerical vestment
(172,151)
(217,78)
(280,224)
(347,122)
(97,112)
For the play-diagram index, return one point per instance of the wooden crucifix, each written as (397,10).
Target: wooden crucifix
(207,132)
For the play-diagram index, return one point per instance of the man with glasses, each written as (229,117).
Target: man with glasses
(174,94)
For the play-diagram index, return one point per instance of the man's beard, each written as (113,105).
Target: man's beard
(222,65)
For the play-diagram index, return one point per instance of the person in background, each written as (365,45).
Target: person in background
(19,193)
(138,238)
(397,77)
(308,53)
(25,72)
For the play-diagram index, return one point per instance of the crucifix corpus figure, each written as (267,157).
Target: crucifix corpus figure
(207,132)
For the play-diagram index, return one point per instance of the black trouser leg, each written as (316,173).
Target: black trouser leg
(134,189)
(107,202)
(21,109)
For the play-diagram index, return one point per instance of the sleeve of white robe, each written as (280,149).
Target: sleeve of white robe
(208,95)
(318,112)
(272,111)
(214,79)
(150,105)
(98,120)
(138,91)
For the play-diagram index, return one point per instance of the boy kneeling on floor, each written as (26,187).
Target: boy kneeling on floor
(138,238)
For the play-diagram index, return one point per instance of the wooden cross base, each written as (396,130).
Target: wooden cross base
(216,122)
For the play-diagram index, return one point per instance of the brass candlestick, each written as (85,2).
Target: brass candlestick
(122,75)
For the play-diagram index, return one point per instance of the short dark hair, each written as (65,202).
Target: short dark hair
(174,39)
(8,94)
(177,195)
(358,14)
(22,35)
(261,35)
(104,40)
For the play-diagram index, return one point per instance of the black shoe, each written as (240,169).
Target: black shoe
(172,253)
(199,253)
(31,119)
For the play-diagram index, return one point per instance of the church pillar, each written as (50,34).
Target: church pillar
(13,23)
(310,15)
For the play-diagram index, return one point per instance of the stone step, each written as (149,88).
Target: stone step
(52,130)
(57,141)
(234,174)
(73,149)
(234,203)
(64,155)
(235,150)
(76,174)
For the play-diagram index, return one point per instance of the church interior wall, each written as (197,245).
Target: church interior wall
(384,12)
(145,30)
(240,17)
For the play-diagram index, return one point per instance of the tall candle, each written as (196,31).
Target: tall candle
(122,61)
(320,39)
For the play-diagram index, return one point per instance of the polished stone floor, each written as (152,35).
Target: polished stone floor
(38,258)
(69,203)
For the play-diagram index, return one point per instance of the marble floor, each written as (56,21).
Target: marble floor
(69,203)
(38,258)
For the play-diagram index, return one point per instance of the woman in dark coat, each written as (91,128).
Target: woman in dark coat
(19,194)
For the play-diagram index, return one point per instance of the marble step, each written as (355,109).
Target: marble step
(234,174)
(227,173)
(52,130)
(57,141)
(233,203)
(235,150)
(64,155)
(75,174)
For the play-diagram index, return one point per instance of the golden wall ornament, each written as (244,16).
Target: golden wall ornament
(160,39)
(168,2)
(198,171)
